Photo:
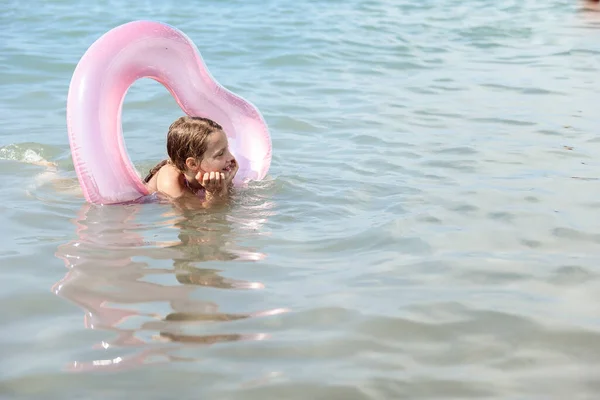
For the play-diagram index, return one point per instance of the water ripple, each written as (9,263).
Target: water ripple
(427,230)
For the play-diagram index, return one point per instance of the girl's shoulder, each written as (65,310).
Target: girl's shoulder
(170,181)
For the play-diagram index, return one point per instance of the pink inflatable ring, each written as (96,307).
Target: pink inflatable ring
(146,49)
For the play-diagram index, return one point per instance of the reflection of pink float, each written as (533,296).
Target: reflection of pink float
(104,74)
(111,289)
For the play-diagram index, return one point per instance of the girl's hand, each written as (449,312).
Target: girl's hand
(231,174)
(214,183)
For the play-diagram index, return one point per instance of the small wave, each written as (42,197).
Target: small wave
(52,176)
(32,153)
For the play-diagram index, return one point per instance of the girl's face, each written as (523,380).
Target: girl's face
(217,157)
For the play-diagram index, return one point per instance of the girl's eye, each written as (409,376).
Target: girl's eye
(220,154)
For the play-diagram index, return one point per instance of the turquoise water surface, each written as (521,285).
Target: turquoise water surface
(429,227)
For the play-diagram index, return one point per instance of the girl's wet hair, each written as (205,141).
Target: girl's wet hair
(186,138)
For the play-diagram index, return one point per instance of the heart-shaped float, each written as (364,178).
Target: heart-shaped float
(148,49)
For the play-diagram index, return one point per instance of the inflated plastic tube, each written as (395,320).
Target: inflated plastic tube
(148,49)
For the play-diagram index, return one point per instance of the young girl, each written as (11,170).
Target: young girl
(200,167)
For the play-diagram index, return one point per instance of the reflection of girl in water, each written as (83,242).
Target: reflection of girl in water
(113,290)
(203,238)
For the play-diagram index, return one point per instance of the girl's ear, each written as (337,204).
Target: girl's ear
(191,163)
